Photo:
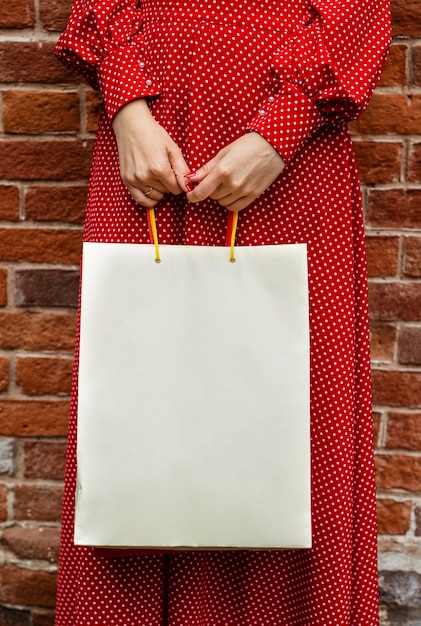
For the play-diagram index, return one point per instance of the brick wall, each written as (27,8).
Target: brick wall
(47,125)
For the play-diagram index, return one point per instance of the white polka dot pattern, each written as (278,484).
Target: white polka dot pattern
(295,71)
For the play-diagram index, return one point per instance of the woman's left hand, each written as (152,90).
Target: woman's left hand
(238,174)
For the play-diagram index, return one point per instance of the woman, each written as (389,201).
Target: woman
(242,104)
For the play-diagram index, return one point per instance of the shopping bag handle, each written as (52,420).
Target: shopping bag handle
(230,239)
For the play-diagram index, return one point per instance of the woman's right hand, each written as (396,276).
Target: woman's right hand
(151,163)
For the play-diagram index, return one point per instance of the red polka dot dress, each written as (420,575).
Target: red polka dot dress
(295,71)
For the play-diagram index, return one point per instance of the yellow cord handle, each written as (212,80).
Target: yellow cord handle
(154,233)
(152,225)
(233,232)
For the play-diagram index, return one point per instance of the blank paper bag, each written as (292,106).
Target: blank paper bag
(193,417)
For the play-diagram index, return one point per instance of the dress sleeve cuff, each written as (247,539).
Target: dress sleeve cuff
(286,120)
(123,77)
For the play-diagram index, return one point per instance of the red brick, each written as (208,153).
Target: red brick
(418,521)
(394,73)
(403,431)
(32,543)
(395,301)
(390,113)
(394,208)
(32,62)
(382,341)
(48,288)
(4,491)
(412,257)
(406,18)
(382,255)
(38,503)
(414,167)
(409,345)
(44,376)
(416,65)
(56,204)
(376,427)
(9,203)
(45,160)
(43,618)
(54,13)
(22,418)
(93,109)
(27,586)
(378,162)
(40,245)
(3,286)
(16,14)
(4,373)
(398,471)
(397,388)
(37,331)
(40,112)
(393,517)
(44,459)
(15,617)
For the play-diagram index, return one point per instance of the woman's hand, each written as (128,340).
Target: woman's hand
(151,164)
(238,174)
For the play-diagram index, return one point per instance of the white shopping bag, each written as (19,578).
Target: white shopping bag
(193,408)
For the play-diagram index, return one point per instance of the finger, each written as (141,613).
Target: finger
(180,169)
(239,204)
(146,200)
(206,188)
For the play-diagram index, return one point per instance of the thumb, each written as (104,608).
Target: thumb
(179,167)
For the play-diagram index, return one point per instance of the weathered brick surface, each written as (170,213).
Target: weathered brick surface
(404,430)
(32,62)
(45,160)
(378,162)
(41,245)
(44,459)
(24,586)
(36,418)
(397,388)
(34,331)
(47,288)
(55,204)
(32,543)
(48,122)
(383,338)
(40,112)
(412,259)
(393,517)
(395,301)
(394,208)
(40,503)
(54,14)
(399,472)
(389,114)
(382,255)
(9,203)
(394,73)
(17,14)
(4,493)
(3,286)
(44,376)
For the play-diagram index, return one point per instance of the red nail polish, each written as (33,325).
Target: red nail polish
(189,186)
(190,175)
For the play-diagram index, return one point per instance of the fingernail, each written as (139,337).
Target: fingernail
(189,186)
(190,175)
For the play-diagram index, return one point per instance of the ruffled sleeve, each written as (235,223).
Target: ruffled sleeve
(103,42)
(326,73)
